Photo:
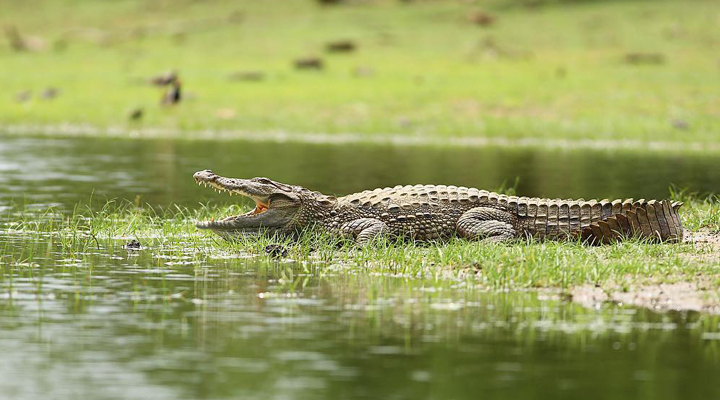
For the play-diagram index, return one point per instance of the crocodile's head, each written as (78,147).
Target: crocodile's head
(279,208)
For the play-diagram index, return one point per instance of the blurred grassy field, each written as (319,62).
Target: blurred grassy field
(421,68)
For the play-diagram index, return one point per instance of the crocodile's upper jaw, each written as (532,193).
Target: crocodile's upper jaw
(275,204)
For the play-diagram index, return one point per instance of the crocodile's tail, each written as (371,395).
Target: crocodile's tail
(657,221)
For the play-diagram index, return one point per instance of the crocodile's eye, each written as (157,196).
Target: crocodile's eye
(266,181)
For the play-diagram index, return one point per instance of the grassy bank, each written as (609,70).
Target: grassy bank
(607,70)
(570,268)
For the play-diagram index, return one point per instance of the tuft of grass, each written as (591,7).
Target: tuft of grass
(704,212)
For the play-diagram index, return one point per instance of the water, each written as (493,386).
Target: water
(67,171)
(117,324)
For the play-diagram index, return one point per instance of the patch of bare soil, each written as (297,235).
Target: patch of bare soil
(698,293)
(703,236)
(662,297)
(708,241)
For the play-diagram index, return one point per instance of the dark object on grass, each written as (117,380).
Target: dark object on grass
(644,58)
(236,17)
(436,212)
(136,114)
(20,42)
(50,93)
(132,245)
(23,96)
(276,251)
(173,94)
(341,46)
(247,76)
(17,42)
(165,79)
(329,2)
(481,18)
(309,63)
(680,124)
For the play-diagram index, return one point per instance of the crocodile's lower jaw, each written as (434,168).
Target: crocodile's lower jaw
(230,226)
(260,219)
(259,209)
(261,206)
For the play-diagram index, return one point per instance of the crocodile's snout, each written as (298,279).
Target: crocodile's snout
(205,176)
(276,205)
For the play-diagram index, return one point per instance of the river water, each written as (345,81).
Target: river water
(113,324)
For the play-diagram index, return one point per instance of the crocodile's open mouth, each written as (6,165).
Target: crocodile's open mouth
(263,216)
(261,204)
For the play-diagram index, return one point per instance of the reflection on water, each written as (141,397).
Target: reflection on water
(117,324)
(162,323)
(68,171)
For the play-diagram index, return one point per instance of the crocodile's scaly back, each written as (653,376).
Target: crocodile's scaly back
(430,212)
(593,221)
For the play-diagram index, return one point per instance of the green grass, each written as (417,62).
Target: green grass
(521,265)
(554,71)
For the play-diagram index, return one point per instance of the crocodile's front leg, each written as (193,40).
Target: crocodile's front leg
(487,223)
(364,229)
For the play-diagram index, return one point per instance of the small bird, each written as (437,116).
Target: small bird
(341,46)
(23,96)
(309,63)
(482,19)
(50,93)
(136,114)
(173,94)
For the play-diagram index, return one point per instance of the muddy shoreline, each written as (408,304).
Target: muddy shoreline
(699,293)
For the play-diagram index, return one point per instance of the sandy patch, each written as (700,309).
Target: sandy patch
(708,242)
(703,236)
(699,292)
(690,296)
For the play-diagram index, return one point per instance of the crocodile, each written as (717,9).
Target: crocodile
(436,212)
